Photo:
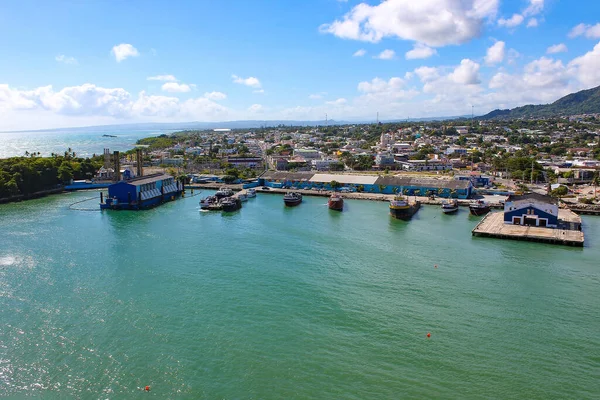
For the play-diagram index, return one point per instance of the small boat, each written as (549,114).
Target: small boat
(206,202)
(401,208)
(242,196)
(224,192)
(479,207)
(230,204)
(450,206)
(251,193)
(336,202)
(292,199)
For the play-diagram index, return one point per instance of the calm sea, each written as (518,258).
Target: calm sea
(85,142)
(278,303)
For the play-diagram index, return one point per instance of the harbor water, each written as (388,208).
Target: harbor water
(272,302)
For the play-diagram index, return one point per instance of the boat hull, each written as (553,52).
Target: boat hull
(405,213)
(292,203)
(479,211)
(336,205)
(450,210)
(233,206)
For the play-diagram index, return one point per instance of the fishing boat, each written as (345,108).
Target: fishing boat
(450,206)
(251,193)
(401,208)
(292,199)
(206,202)
(336,202)
(479,207)
(243,196)
(224,192)
(230,204)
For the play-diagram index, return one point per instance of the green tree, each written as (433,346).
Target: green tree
(334,185)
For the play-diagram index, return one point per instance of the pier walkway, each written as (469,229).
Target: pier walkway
(492,225)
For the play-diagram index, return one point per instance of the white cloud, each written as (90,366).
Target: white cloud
(175,87)
(359,53)
(535,7)
(256,108)
(164,78)
(495,54)
(587,67)
(589,31)
(378,85)
(427,74)
(259,91)
(215,96)
(66,60)
(420,51)
(467,73)
(532,23)
(513,21)
(338,102)
(250,81)
(317,96)
(386,54)
(431,22)
(124,50)
(557,48)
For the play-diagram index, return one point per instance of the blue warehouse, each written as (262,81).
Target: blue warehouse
(142,192)
(531,209)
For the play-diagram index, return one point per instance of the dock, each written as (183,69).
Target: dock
(492,225)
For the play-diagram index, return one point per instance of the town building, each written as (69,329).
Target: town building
(531,209)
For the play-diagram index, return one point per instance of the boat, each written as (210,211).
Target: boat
(224,192)
(479,207)
(401,208)
(450,206)
(242,196)
(251,193)
(336,202)
(109,136)
(292,199)
(230,204)
(206,202)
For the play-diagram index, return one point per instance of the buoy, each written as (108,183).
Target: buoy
(435,266)
(428,335)
(147,388)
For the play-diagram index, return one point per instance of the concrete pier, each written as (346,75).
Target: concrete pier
(492,225)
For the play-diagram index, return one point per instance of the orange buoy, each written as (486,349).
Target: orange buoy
(147,388)
(428,335)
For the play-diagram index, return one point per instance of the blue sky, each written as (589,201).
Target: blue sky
(102,62)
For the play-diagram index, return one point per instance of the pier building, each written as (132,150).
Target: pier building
(369,183)
(531,209)
(142,192)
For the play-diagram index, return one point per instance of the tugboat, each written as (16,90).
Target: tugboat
(206,202)
(336,202)
(251,193)
(224,192)
(479,207)
(230,204)
(450,206)
(292,199)
(401,208)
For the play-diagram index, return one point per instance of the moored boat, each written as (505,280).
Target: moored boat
(450,206)
(336,202)
(292,199)
(401,208)
(206,202)
(479,207)
(251,193)
(224,192)
(243,196)
(229,204)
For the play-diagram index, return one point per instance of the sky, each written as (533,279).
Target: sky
(74,63)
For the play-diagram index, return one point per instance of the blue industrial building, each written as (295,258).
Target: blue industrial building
(369,183)
(531,209)
(476,179)
(142,192)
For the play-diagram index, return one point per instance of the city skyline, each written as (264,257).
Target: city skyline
(69,64)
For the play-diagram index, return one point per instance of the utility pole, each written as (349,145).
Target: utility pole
(326,122)
(377,117)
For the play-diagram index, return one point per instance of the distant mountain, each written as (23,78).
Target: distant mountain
(583,102)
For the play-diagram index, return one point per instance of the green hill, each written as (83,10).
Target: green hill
(583,102)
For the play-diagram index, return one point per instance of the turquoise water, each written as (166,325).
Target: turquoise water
(85,142)
(274,302)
